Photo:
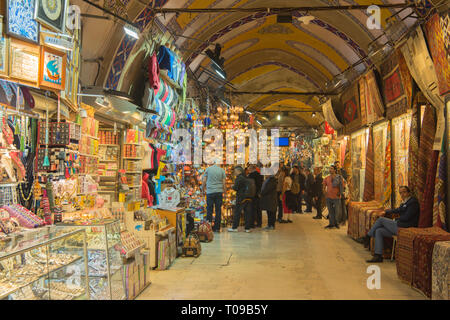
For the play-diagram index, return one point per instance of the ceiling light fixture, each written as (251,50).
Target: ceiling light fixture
(248,112)
(132,31)
(278,117)
(306,19)
(313,114)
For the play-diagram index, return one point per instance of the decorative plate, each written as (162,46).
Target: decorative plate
(52,13)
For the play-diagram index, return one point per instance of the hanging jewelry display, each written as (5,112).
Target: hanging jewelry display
(46,159)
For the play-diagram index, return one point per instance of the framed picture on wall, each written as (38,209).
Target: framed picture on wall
(20,22)
(4,55)
(23,61)
(52,13)
(52,71)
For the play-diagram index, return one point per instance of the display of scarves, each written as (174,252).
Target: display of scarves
(369,178)
(420,64)
(166,94)
(413,155)
(352,112)
(426,205)
(435,31)
(397,85)
(330,116)
(425,148)
(387,169)
(440,190)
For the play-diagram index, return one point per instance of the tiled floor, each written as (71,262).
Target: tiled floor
(301,260)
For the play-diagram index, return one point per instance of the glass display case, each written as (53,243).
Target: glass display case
(49,265)
(104,261)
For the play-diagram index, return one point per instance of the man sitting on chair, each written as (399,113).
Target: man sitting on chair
(384,227)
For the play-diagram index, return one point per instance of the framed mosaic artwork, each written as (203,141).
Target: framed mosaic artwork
(20,22)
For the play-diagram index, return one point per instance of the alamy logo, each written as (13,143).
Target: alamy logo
(374,20)
(235,146)
(374,280)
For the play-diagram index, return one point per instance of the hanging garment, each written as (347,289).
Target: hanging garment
(145,193)
(182,74)
(153,72)
(165,60)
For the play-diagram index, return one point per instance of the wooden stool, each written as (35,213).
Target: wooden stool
(394,244)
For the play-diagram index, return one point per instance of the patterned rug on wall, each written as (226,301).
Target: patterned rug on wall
(437,33)
(413,154)
(440,190)
(369,192)
(351,105)
(397,85)
(387,169)
(426,205)
(425,149)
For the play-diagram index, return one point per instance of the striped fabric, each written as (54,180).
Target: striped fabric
(425,148)
(413,152)
(387,170)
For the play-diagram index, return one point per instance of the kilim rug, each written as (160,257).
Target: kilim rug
(422,260)
(440,274)
(387,170)
(397,85)
(375,102)
(369,192)
(440,190)
(351,104)
(413,153)
(363,95)
(436,30)
(404,250)
(426,205)
(425,148)
(379,140)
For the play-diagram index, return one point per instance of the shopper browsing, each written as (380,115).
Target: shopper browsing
(214,179)
(280,180)
(409,211)
(309,187)
(332,188)
(288,198)
(318,192)
(269,201)
(256,210)
(243,203)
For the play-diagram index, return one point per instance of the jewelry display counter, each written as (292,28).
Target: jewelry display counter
(104,261)
(51,265)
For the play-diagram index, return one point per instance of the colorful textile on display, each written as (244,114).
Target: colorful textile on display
(425,148)
(404,250)
(363,100)
(440,190)
(440,273)
(374,104)
(435,29)
(413,155)
(422,260)
(348,162)
(401,143)
(379,147)
(421,66)
(397,85)
(330,116)
(357,213)
(426,205)
(387,169)
(369,192)
(352,115)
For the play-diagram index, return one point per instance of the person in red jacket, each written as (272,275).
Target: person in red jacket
(145,192)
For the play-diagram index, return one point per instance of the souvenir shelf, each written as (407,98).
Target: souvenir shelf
(104,260)
(51,266)
(109,157)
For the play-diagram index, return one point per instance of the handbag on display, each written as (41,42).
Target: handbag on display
(192,246)
(205,233)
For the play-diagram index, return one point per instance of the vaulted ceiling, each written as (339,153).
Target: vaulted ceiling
(260,53)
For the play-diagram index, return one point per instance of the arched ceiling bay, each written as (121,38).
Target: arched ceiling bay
(260,53)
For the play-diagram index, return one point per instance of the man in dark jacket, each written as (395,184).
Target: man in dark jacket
(242,204)
(302,183)
(309,186)
(269,201)
(409,212)
(318,192)
(256,210)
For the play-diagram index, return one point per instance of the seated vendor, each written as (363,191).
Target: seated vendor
(384,227)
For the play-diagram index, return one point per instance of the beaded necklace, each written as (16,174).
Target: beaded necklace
(22,193)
